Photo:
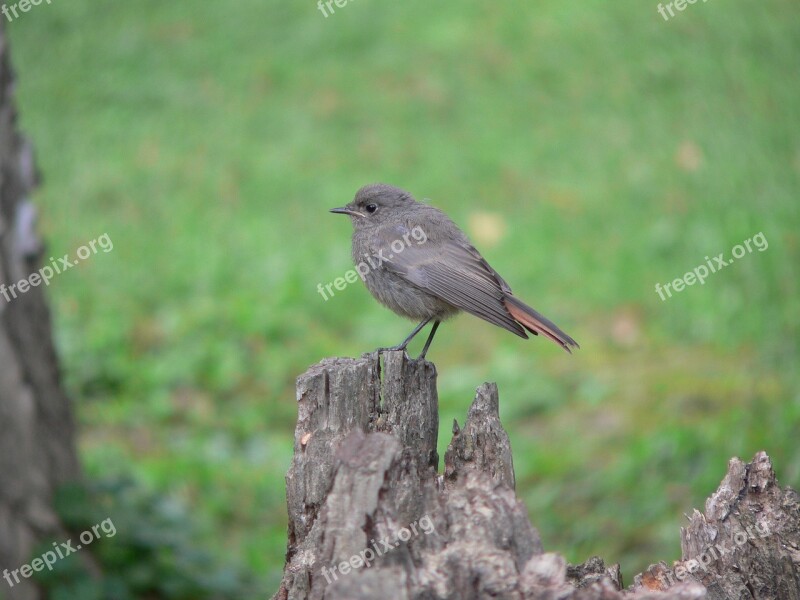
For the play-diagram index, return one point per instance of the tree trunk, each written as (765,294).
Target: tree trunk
(37,445)
(371,517)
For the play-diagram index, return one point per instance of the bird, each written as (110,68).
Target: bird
(417,262)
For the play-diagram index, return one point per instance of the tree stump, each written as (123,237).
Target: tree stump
(370,516)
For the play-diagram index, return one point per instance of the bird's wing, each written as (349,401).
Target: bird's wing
(450,270)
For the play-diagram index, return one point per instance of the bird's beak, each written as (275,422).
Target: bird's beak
(346,211)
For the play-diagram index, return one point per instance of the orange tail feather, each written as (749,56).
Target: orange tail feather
(536,323)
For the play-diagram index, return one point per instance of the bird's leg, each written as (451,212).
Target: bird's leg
(404,343)
(430,339)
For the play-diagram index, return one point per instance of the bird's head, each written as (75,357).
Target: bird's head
(374,204)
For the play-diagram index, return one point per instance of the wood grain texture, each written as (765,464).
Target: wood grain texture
(365,471)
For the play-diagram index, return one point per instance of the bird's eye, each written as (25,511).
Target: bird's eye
(371,208)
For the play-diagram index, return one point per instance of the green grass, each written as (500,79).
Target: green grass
(608,149)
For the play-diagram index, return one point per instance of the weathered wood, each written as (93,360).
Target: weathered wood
(371,517)
(746,545)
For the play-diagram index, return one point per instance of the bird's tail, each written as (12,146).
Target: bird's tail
(536,323)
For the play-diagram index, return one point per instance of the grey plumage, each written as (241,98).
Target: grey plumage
(422,266)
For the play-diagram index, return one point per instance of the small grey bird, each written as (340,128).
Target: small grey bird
(417,262)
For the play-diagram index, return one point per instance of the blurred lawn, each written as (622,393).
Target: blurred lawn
(591,151)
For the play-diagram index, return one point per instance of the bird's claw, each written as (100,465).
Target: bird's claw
(391,348)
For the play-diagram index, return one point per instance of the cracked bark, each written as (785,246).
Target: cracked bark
(37,446)
(364,486)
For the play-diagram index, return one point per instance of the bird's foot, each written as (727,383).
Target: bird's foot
(391,348)
(400,347)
